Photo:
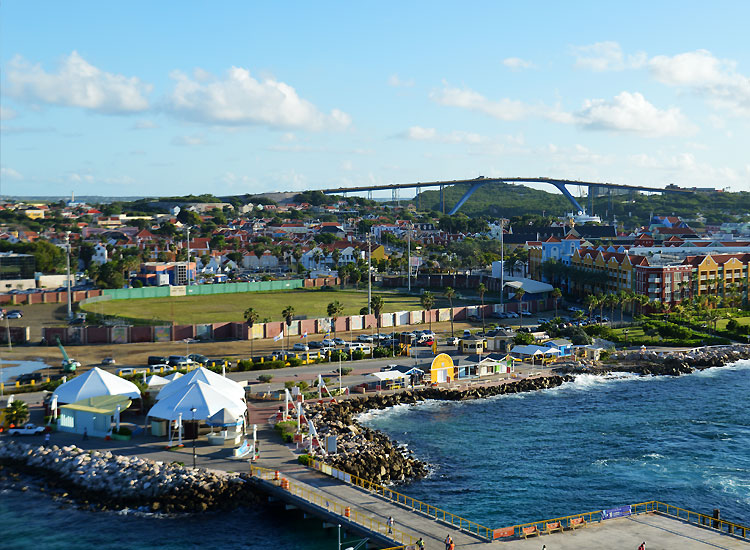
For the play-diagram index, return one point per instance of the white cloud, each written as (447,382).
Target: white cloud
(503,109)
(77,83)
(418,133)
(10,173)
(606,56)
(6,113)
(707,76)
(144,125)
(397,82)
(631,112)
(687,169)
(188,141)
(517,63)
(239,99)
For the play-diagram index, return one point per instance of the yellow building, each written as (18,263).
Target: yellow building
(34,214)
(442,369)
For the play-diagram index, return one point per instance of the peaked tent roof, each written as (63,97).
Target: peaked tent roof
(94,383)
(156,380)
(205,399)
(202,374)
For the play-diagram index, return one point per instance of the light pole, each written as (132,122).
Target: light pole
(188,255)
(408,257)
(369,275)
(67,264)
(195,434)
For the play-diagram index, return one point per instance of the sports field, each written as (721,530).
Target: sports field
(219,308)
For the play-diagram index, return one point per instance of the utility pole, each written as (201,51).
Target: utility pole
(408,259)
(67,265)
(502,264)
(188,255)
(369,275)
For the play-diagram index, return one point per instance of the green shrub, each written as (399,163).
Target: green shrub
(124,430)
(265,378)
(382,351)
(345,370)
(672,330)
(358,355)
(244,364)
(524,339)
(305,460)
(295,362)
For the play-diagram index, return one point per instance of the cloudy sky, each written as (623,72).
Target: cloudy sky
(158,98)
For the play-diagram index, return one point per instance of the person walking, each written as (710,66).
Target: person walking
(85,434)
(46,439)
(420,544)
(448,542)
(390,525)
(642,546)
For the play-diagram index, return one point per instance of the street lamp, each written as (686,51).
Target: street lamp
(67,264)
(195,435)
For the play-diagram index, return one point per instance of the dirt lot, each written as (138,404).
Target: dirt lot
(137,354)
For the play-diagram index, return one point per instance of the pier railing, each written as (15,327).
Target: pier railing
(416,505)
(331,505)
(696,518)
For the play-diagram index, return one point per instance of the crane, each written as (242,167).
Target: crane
(68,364)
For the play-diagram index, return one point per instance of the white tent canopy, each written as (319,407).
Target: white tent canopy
(95,383)
(205,399)
(218,382)
(156,380)
(173,376)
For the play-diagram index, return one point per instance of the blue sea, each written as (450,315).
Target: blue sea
(591,444)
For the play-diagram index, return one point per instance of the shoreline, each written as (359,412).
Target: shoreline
(103,480)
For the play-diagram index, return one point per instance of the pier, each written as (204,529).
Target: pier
(362,508)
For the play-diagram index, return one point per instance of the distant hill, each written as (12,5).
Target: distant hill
(503,199)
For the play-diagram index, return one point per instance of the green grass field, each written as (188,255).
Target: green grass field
(230,307)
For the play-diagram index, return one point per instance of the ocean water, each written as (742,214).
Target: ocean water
(590,444)
(587,445)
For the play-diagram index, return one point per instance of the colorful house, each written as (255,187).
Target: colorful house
(442,369)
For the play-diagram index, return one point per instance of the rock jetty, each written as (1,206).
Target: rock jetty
(103,480)
(676,363)
(372,455)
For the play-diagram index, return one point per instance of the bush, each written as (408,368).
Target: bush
(339,354)
(244,364)
(345,370)
(524,338)
(358,354)
(672,330)
(295,362)
(265,378)
(382,351)
(305,460)
(124,430)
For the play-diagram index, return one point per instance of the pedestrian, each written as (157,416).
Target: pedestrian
(448,542)
(85,434)
(420,544)
(390,525)
(46,439)
(642,546)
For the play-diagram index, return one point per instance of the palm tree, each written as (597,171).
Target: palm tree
(377,304)
(611,300)
(317,255)
(556,295)
(336,256)
(288,314)
(519,296)
(624,298)
(449,294)
(591,302)
(428,302)
(251,317)
(335,309)
(16,413)
(481,289)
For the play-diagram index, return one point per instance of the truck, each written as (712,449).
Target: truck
(26,429)
(68,364)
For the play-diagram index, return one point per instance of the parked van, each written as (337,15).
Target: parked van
(125,371)
(467,333)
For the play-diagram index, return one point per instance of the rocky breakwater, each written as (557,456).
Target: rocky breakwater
(372,455)
(104,480)
(675,363)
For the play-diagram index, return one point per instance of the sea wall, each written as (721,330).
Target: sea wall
(675,363)
(104,480)
(372,455)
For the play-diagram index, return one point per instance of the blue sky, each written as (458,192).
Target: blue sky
(164,98)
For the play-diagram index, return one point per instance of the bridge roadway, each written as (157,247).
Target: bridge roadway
(323,494)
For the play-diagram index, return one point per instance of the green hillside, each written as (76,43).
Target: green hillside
(502,199)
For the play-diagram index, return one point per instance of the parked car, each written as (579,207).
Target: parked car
(108,361)
(452,340)
(339,341)
(26,429)
(387,368)
(300,347)
(198,358)
(315,344)
(179,361)
(157,360)
(27,378)
(511,315)
(125,371)
(14,314)
(328,342)
(365,338)
(426,343)
(542,320)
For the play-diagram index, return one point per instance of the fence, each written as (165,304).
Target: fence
(416,505)
(330,505)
